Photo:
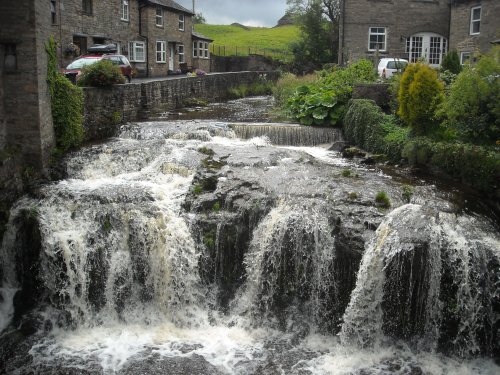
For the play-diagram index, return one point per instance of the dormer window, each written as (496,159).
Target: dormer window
(475,20)
(87,6)
(125,10)
(181,22)
(159,17)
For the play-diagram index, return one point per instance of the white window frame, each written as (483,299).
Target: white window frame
(133,48)
(474,21)
(370,33)
(195,49)
(465,57)
(206,53)
(125,10)
(161,52)
(182,22)
(181,53)
(159,17)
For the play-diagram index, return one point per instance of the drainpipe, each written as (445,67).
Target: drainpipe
(341,34)
(145,37)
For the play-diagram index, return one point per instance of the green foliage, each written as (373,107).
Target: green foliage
(101,74)
(324,102)
(472,106)
(368,127)
(216,207)
(194,102)
(274,41)
(353,195)
(382,199)
(197,189)
(420,94)
(407,192)
(66,104)
(476,166)
(288,84)
(199,19)
(451,62)
(206,151)
(346,173)
(255,89)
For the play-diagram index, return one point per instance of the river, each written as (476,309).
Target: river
(211,241)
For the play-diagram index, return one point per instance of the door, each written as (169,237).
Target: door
(171,57)
(427,46)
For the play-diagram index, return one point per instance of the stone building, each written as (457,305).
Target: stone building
(394,28)
(415,29)
(474,26)
(25,115)
(156,35)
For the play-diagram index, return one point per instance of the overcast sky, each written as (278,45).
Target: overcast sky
(246,12)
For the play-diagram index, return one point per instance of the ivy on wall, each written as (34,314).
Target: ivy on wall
(66,104)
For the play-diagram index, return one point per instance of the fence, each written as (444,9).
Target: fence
(220,50)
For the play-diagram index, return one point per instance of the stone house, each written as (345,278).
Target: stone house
(156,35)
(474,26)
(415,29)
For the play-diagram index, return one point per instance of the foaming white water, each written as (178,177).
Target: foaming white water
(324,155)
(290,257)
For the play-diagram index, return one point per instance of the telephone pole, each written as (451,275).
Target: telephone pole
(194,1)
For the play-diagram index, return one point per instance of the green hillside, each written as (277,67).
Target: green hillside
(244,40)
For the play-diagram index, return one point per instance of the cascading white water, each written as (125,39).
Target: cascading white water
(290,261)
(121,270)
(404,265)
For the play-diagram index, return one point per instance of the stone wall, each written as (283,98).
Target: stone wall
(378,92)
(106,109)
(243,63)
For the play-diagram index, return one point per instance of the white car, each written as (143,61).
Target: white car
(390,65)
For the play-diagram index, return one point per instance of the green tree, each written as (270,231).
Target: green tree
(472,107)
(420,94)
(319,42)
(451,62)
(199,19)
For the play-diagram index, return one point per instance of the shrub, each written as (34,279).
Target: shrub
(324,103)
(476,166)
(287,84)
(420,94)
(66,104)
(368,127)
(451,62)
(382,199)
(101,74)
(472,107)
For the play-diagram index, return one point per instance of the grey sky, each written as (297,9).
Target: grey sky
(246,12)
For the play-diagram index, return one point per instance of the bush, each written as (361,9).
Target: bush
(324,103)
(101,74)
(66,104)
(420,94)
(472,107)
(451,62)
(382,199)
(368,127)
(476,166)
(288,84)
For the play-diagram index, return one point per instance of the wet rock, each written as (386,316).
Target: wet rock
(157,365)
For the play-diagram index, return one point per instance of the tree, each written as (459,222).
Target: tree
(318,20)
(199,19)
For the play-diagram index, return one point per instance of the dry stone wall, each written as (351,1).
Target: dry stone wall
(106,109)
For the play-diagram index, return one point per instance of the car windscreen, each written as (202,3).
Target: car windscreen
(396,64)
(80,63)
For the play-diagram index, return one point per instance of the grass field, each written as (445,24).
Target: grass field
(244,40)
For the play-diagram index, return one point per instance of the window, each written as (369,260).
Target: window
(414,48)
(376,39)
(161,52)
(181,22)
(53,12)
(205,50)
(87,6)
(10,57)
(200,50)
(137,51)
(159,17)
(475,20)
(180,51)
(125,10)
(465,58)
(195,49)
(437,50)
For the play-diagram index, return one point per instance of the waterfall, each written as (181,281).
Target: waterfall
(288,134)
(291,262)
(423,278)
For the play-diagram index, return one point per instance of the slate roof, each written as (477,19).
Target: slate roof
(201,36)
(171,5)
